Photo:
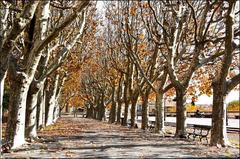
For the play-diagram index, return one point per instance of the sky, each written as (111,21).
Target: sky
(100,5)
(204,99)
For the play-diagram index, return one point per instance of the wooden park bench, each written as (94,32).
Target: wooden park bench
(200,131)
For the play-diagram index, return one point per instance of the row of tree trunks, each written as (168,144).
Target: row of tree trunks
(52,102)
(58,109)
(117,101)
(36,101)
(33,120)
(36,86)
(27,95)
(24,77)
(177,53)
(6,41)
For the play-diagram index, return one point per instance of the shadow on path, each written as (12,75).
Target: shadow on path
(87,138)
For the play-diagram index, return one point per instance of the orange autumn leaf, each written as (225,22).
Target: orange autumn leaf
(133,11)
(141,36)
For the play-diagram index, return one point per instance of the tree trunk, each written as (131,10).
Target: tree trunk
(119,100)
(101,108)
(145,109)
(15,131)
(219,84)
(159,127)
(94,112)
(2,80)
(21,75)
(133,110)
(112,116)
(181,114)
(126,105)
(52,102)
(3,27)
(6,45)
(119,111)
(67,108)
(41,109)
(31,114)
(101,112)
(7,40)
(3,21)
(56,111)
(90,111)
(219,132)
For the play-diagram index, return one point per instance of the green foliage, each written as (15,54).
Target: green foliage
(191,108)
(234,106)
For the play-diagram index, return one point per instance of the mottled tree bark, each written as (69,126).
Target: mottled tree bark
(6,46)
(3,26)
(17,109)
(119,99)
(67,108)
(133,108)
(181,113)
(112,116)
(101,108)
(145,97)
(52,102)
(1,105)
(31,111)
(126,104)
(159,113)
(90,111)
(220,85)
(219,132)
(41,109)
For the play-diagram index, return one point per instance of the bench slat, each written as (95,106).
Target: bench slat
(200,131)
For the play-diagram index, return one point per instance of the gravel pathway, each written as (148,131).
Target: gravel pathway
(86,138)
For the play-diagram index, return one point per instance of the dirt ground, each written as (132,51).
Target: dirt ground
(86,138)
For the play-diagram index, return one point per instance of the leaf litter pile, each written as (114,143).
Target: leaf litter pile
(83,138)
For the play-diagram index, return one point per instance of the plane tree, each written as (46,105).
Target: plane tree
(26,55)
